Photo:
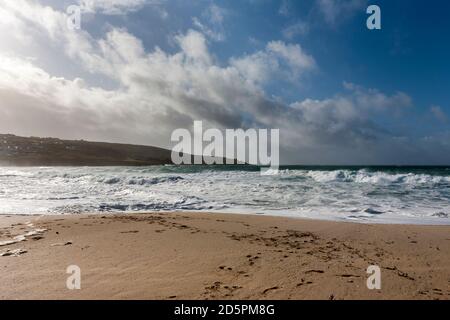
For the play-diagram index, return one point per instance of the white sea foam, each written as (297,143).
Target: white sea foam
(363,176)
(412,196)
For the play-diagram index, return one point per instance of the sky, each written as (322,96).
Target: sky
(138,69)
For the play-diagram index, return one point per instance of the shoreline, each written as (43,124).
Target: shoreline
(191,255)
(232,213)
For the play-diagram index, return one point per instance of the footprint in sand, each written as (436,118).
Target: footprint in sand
(270,289)
(218,288)
(226,268)
(252,259)
(62,244)
(314,271)
(303,282)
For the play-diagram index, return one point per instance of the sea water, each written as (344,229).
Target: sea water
(416,195)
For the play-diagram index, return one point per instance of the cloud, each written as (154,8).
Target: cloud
(329,12)
(194,47)
(347,118)
(114,7)
(216,14)
(288,61)
(285,8)
(293,54)
(157,91)
(439,114)
(297,29)
(214,26)
(335,11)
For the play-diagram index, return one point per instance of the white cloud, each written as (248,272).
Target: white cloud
(214,25)
(216,14)
(256,67)
(335,11)
(114,7)
(297,29)
(194,47)
(157,91)
(287,60)
(293,54)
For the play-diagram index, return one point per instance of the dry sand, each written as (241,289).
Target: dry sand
(219,256)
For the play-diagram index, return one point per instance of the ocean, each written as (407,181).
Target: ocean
(415,195)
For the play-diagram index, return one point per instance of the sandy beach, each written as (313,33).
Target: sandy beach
(218,256)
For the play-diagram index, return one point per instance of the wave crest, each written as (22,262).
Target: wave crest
(364,176)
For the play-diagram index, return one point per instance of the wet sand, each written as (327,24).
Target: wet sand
(219,256)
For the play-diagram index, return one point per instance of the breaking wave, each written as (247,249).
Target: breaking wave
(384,194)
(363,176)
(142,181)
